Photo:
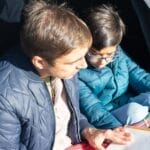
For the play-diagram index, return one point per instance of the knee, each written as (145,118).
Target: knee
(136,112)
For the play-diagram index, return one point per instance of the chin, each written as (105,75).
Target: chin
(69,76)
(101,67)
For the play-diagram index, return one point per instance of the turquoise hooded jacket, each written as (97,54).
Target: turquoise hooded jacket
(106,89)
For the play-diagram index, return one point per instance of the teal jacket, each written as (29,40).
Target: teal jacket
(106,89)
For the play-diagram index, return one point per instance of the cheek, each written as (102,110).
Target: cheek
(99,65)
(93,61)
(96,64)
(66,69)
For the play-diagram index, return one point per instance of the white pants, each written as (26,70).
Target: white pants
(136,110)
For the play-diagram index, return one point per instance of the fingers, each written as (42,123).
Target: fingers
(96,137)
(119,129)
(119,136)
(121,139)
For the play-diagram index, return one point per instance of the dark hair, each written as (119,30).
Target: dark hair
(106,26)
(51,31)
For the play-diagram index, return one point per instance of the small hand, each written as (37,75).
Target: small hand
(119,136)
(96,137)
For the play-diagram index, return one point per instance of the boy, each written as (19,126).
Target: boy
(112,80)
(33,114)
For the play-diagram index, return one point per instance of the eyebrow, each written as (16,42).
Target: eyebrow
(78,59)
(74,61)
(98,53)
(109,53)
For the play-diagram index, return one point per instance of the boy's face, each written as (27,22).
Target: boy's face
(68,65)
(100,58)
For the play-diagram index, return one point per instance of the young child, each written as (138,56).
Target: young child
(114,90)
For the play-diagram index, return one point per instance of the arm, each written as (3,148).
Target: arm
(93,109)
(139,79)
(10,128)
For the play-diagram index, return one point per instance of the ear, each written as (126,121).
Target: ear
(39,62)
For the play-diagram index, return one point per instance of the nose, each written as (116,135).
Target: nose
(82,64)
(103,62)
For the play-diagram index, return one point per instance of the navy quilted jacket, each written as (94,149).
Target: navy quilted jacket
(27,119)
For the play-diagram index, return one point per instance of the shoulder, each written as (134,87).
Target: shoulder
(17,84)
(12,78)
(122,54)
(91,73)
(13,83)
(16,71)
(122,59)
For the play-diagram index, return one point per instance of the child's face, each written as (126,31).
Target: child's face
(100,58)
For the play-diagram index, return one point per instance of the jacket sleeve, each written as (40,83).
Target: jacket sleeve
(96,113)
(10,128)
(139,79)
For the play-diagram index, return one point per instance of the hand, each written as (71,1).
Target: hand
(119,136)
(96,137)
